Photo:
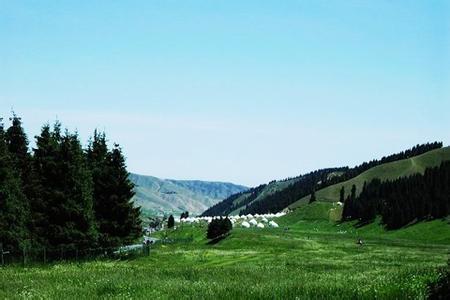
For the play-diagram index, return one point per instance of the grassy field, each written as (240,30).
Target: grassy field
(312,259)
(388,171)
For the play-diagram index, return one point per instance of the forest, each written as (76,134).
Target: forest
(59,193)
(309,183)
(402,201)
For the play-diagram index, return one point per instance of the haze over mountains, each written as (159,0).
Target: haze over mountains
(163,196)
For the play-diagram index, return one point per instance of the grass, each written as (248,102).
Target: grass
(387,171)
(313,259)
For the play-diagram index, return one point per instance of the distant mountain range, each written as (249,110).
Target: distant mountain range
(158,196)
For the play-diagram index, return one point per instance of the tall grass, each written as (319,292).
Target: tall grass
(312,260)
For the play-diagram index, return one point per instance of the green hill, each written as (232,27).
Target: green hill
(269,189)
(160,196)
(237,202)
(387,171)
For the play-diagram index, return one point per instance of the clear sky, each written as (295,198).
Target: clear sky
(240,91)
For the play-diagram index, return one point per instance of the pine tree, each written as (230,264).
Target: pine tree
(63,215)
(170,222)
(118,220)
(17,143)
(13,212)
(79,225)
(353,193)
(313,196)
(342,195)
(218,227)
(48,176)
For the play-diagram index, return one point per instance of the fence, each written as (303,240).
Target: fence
(29,256)
(33,255)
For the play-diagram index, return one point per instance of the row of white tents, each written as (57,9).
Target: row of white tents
(244,221)
(254,223)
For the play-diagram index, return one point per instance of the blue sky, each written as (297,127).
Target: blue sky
(241,91)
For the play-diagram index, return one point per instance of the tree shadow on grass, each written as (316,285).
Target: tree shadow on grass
(218,239)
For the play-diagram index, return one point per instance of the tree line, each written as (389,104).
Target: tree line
(402,201)
(307,184)
(279,200)
(60,194)
(228,205)
(355,171)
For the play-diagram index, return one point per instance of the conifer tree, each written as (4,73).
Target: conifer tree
(313,196)
(218,227)
(46,170)
(342,195)
(118,220)
(13,212)
(353,193)
(17,143)
(63,214)
(170,222)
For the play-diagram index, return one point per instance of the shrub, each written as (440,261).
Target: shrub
(218,227)
(170,222)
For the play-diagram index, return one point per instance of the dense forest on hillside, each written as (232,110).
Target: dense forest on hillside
(281,199)
(319,179)
(305,185)
(402,201)
(226,206)
(355,171)
(60,194)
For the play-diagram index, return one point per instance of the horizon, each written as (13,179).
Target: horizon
(229,91)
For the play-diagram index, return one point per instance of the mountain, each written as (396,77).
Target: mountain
(237,203)
(160,196)
(326,183)
(388,171)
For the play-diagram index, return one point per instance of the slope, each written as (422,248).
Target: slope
(163,196)
(388,171)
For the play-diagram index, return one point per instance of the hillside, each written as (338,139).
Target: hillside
(159,196)
(278,195)
(387,171)
(238,202)
(268,189)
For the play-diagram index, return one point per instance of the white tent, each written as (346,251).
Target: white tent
(260,225)
(273,224)
(245,224)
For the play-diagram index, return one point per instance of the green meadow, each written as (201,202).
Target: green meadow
(303,259)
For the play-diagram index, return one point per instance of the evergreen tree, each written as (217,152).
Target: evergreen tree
(48,176)
(64,213)
(218,227)
(353,193)
(313,196)
(342,195)
(17,143)
(13,210)
(404,200)
(118,220)
(170,222)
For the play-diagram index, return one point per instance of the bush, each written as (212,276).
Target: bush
(170,222)
(218,227)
